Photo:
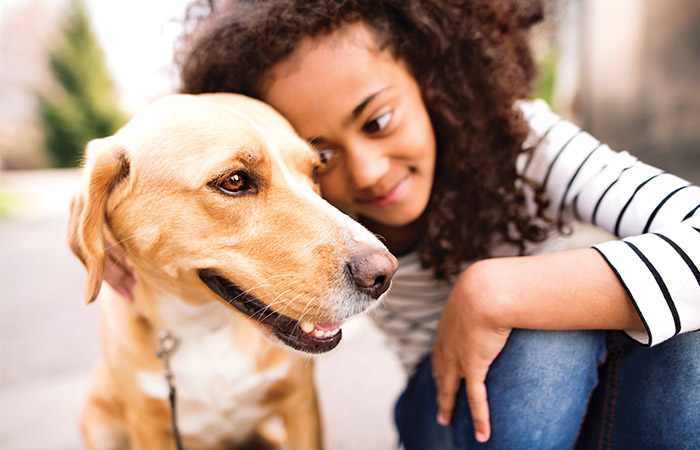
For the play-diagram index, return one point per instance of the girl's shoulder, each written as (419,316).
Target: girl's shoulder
(533,107)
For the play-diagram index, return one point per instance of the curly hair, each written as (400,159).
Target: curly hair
(472,62)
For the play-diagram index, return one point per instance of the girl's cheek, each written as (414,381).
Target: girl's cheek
(331,187)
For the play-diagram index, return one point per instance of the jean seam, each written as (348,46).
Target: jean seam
(611,393)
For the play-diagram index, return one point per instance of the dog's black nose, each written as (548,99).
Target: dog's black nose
(372,270)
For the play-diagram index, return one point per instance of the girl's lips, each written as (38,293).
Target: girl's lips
(391,196)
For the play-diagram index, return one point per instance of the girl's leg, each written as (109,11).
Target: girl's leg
(648,398)
(538,390)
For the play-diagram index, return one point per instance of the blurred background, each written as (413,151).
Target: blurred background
(71,70)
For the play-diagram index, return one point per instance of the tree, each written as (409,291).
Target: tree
(86,108)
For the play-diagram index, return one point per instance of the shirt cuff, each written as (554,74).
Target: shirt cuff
(658,273)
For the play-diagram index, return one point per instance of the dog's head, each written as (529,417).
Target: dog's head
(213,198)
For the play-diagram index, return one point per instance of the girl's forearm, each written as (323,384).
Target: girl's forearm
(569,290)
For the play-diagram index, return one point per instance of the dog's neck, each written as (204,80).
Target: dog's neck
(181,313)
(217,356)
(164,307)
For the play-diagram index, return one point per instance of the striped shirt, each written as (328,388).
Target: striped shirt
(656,215)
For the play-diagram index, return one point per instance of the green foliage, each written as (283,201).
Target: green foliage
(544,84)
(8,202)
(86,108)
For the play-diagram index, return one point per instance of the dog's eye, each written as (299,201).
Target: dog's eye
(235,183)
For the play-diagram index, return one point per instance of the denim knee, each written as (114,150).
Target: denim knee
(647,397)
(416,411)
(538,389)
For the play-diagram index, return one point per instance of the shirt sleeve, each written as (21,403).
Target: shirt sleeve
(655,214)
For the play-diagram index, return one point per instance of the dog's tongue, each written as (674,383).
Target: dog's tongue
(328,326)
(321,330)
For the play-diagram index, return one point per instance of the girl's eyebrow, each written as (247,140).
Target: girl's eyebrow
(361,107)
(353,115)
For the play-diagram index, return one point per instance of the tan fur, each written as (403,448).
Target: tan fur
(148,190)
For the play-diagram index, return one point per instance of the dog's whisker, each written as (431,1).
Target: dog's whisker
(278,296)
(289,303)
(282,310)
(304,312)
(265,284)
(311,300)
(267,307)
(261,285)
(262,315)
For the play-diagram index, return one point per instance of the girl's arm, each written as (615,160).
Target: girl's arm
(655,214)
(647,284)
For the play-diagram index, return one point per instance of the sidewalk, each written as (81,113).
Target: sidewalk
(48,341)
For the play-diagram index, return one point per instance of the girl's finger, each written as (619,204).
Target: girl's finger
(447,387)
(479,408)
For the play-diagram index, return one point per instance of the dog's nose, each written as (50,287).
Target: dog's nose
(372,270)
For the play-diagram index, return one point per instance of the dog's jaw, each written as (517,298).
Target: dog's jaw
(302,336)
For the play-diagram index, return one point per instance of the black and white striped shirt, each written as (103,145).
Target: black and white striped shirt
(656,215)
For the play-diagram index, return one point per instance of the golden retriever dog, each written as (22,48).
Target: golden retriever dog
(242,270)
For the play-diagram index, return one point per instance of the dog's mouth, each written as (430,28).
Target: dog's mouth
(303,336)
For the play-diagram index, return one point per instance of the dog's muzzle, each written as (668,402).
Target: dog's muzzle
(370,272)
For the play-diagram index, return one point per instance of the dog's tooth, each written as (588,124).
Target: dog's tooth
(319,334)
(307,327)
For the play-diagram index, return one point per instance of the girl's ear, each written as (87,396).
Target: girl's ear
(106,165)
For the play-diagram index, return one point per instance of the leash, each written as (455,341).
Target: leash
(168,343)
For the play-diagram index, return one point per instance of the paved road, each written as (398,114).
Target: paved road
(48,341)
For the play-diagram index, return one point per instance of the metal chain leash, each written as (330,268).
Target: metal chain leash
(168,343)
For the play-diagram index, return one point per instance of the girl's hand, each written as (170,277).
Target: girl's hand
(572,290)
(467,342)
(118,272)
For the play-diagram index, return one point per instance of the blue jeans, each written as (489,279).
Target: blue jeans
(570,389)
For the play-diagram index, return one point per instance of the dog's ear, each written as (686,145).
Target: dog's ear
(106,165)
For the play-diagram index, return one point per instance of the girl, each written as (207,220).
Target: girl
(419,111)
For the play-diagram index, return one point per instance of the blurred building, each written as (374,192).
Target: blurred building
(629,73)
(25,30)
(136,36)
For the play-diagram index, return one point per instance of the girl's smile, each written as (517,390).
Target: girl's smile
(363,112)
(389,197)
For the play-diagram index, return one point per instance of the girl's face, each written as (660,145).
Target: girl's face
(363,111)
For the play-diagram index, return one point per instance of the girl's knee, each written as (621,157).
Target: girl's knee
(538,390)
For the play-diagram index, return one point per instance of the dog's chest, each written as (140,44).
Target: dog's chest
(219,388)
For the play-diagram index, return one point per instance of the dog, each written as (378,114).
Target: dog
(242,267)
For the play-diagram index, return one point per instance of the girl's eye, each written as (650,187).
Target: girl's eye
(378,124)
(235,183)
(327,157)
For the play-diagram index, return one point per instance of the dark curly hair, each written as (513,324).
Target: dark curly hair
(472,61)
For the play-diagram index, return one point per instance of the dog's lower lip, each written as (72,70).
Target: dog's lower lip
(285,328)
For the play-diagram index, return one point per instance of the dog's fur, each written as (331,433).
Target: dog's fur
(215,187)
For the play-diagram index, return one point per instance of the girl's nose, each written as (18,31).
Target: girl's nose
(367,163)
